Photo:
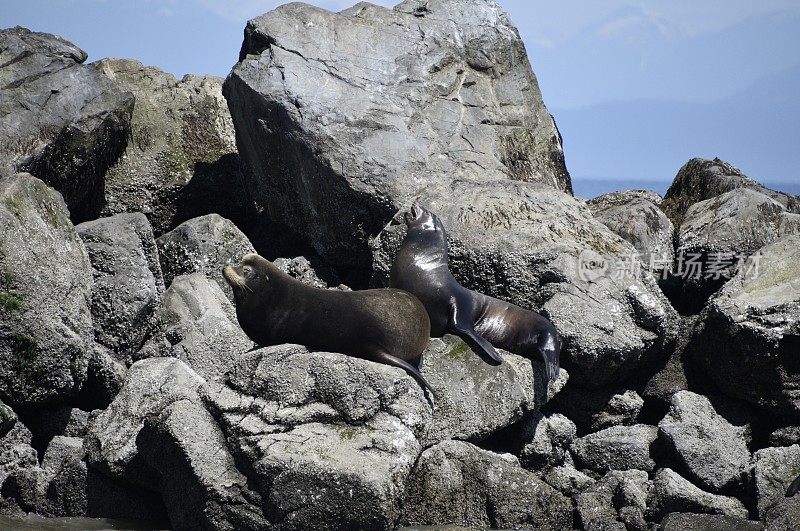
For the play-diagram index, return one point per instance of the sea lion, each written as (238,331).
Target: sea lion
(384,325)
(794,488)
(483,322)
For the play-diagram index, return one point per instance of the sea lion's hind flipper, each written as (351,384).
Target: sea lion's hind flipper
(388,359)
(466,331)
(549,344)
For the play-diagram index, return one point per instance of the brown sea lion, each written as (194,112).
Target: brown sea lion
(384,325)
(483,322)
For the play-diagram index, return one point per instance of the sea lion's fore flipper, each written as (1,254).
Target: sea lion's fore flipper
(388,359)
(794,488)
(465,329)
(549,344)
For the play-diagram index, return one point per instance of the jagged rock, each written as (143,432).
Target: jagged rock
(46,423)
(616,502)
(127,280)
(197,324)
(786,436)
(335,164)
(617,448)
(701,179)
(707,522)
(104,379)
(568,480)
(304,271)
(7,419)
(711,448)
(671,493)
(60,120)
(475,399)
(45,292)
(636,217)
(784,515)
(181,161)
(748,336)
(597,409)
(16,451)
(773,470)
(717,234)
(205,244)
(546,440)
(459,484)
(65,472)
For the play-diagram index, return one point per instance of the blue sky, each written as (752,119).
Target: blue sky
(637,86)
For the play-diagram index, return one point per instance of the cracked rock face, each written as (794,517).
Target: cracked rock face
(60,120)
(672,493)
(45,295)
(773,470)
(181,161)
(748,339)
(617,448)
(333,143)
(617,502)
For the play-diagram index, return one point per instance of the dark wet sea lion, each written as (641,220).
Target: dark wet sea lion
(384,325)
(483,322)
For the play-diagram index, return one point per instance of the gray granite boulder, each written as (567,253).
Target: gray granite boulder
(597,409)
(617,502)
(16,451)
(197,324)
(127,280)
(456,483)
(45,294)
(617,448)
(637,218)
(708,522)
(701,179)
(672,493)
(59,119)
(568,480)
(784,515)
(546,440)
(711,449)
(181,160)
(337,147)
(773,470)
(786,436)
(205,244)
(748,337)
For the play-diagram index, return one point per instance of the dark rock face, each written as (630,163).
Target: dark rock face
(597,409)
(701,179)
(707,522)
(334,149)
(181,161)
(773,470)
(617,502)
(45,322)
(60,120)
(459,484)
(672,493)
(748,338)
(617,448)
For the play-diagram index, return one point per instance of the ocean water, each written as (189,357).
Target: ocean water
(34,522)
(588,188)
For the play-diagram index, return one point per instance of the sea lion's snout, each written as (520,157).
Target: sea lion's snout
(229,274)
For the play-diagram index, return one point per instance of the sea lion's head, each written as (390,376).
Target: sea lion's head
(250,279)
(419,218)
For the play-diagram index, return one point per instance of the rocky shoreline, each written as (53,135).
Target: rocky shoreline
(129,392)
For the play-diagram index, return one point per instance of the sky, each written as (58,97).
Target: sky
(637,87)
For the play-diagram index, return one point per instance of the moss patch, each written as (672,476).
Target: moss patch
(25,352)
(457,352)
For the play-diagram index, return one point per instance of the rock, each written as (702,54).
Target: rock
(786,436)
(181,161)
(597,409)
(127,280)
(104,379)
(707,522)
(635,216)
(784,515)
(754,327)
(701,179)
(7,419)
(45,292)
(616,502)
(673,494)
(304,271)
(16,451)
(60,120)
(205,244)
(717,234)
(617,448)
(459,484)
(46,423)
(711,450)
(66,493)
(197,324)
(475,399)
(335,149)
(546,440)
(568,480)
(773,470)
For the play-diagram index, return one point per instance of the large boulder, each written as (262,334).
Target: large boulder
(546,440)
(701,179)
(197,324)
(335,148)
(181,160)
(717,235)
(708,522)
(596,409)
(617,448)
(456,483)
(773,470)
(617,502)
(672,493)
(127,280)
(710,448)
(59,119)
(748,337)
(784,515)
(45,294)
